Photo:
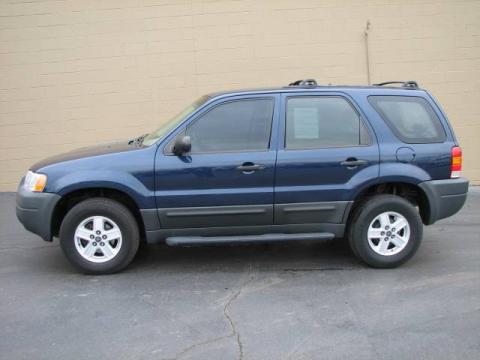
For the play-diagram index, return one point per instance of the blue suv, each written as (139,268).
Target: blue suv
(303,162)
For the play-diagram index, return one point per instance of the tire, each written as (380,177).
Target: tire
(380,245)
(112,248)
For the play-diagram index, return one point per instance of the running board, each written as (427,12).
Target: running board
(206,240)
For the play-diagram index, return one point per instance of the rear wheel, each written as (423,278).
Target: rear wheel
(99,236)
(385,231)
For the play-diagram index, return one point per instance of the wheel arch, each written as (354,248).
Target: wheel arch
(74,197)
(405,189)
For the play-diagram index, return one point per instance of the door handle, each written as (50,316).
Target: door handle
(352,163)
(248,167)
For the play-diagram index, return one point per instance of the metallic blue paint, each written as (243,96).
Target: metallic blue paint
(154,179)
(212,179)
(125,168)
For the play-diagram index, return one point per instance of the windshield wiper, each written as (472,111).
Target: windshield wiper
(138,141)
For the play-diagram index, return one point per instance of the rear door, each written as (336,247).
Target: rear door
(227,178)
(326,150)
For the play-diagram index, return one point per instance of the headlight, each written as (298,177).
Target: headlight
(35,182)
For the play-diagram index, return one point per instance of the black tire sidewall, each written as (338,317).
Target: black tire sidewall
(365,215)
(112,210)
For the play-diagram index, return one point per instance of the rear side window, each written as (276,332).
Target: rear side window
(241,125)
(315,122)
(412,119)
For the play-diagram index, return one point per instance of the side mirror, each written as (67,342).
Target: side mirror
(182,145)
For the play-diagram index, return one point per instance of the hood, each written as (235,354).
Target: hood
(85,153)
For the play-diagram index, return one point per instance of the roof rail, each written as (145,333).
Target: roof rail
(304,82)
(406,84)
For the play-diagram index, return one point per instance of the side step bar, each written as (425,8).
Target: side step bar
(238,239)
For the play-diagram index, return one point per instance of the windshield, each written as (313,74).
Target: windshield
(169,125)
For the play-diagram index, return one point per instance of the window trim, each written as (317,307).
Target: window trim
(430,110)
(167,150)
(360,118)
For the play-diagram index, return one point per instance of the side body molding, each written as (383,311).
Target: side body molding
(217,216)
(311,212)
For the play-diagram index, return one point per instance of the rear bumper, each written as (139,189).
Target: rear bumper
(445,197)
(34,211)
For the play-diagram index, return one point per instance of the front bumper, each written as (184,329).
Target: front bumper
(34,211)
(445,197)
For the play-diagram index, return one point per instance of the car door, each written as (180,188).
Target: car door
(227,178)
(327,150)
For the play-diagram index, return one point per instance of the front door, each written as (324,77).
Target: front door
(227,178)
(327,150)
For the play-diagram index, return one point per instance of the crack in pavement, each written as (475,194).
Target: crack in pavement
(234,331)
(227,315)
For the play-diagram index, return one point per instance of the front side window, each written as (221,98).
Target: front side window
(412,119)
(240,125)
(314,122)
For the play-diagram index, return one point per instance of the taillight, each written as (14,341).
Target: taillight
(456,167)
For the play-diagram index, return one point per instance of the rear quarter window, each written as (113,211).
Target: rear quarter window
(411,118)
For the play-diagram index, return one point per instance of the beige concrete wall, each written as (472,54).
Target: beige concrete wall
(75,73)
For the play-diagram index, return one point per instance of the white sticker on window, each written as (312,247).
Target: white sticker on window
(305,123)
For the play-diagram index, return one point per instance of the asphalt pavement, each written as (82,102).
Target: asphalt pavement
(277,301)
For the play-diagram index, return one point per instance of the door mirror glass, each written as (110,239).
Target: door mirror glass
(182,145)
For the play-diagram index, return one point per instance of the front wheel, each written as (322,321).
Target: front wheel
(99,236)
(385,231)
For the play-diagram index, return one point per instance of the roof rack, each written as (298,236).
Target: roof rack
(406,84)
(304,82)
